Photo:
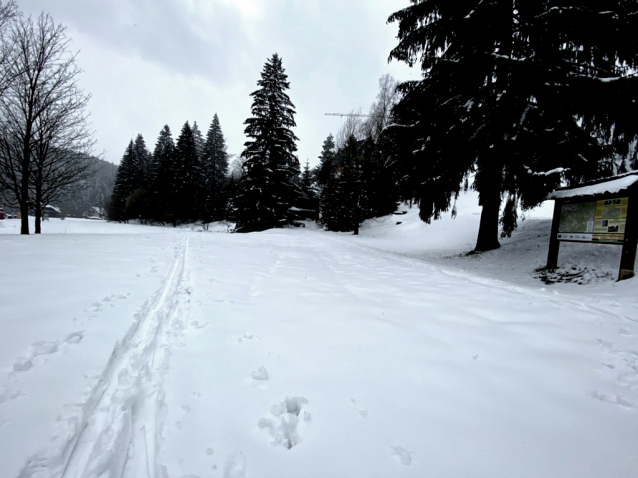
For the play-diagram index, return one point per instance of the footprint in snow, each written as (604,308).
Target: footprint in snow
(363,413)
(283,429)
(235,466)
(404,456)
(6,395)
(611,398)
(260,374)
(41,347)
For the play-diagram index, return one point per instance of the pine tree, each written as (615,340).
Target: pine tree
(326,159)
(378,180)
(162,185)
(306,181)
(199,140)
(215,170)
(344,198)
(144,159)
(127,180)
(271,166)
(187,177)
(511,93)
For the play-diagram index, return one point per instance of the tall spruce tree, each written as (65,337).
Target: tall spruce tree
(326,160)
(144,159)
(518,93)
(186,177)
(199,140)
(344,197)
(215,170)
(271,167)
(127,180)
(162,185)
(306,181)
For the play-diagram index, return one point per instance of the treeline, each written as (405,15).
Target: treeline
(45,140)
(516,98)
(179,182)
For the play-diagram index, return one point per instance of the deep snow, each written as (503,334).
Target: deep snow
(138,351)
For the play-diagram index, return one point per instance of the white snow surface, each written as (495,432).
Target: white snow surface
(138,351)
(612,187)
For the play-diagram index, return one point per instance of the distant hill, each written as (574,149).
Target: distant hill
(93,192)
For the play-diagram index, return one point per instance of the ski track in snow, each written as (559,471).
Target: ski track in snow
(119,430)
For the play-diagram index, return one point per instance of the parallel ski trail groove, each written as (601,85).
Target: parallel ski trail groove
(107,442)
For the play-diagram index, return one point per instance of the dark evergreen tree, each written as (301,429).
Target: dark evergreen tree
(323,172)
(344,199)
(144,159)
(186,177)
(378,178)
(517,93)
(163,181)
(127,180)
(306,181)
(199,140)
(271,167)
(215,168)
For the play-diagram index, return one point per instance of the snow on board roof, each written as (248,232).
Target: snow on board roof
(609,185)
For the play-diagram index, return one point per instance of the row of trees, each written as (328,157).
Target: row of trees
(45,141)
(177,183)
(190,181)
(518,97)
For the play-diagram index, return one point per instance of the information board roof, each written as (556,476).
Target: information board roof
(602,186)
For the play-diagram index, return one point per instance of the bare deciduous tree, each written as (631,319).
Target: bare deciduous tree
(8,13)
(44,137)
(381,109)
(352,126)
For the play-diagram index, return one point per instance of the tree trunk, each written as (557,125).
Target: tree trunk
(38,213)
(24,216)
(356,228)
(488,228)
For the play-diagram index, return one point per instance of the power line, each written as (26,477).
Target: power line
(348,114)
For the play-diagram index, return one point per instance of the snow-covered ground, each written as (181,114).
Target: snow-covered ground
(139,351)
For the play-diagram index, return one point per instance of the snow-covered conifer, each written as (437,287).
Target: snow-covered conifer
(215,170)
(271,166)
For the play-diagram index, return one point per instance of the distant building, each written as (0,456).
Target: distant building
(94,212)
(51,211)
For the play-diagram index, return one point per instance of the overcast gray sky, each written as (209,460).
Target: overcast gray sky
(153,62)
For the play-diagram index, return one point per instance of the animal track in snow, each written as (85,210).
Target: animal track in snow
(260,374)
(283,429)
(235,466)
(109,300)
(363,413)
(246,336)
(624,363)
(404,456)
(611,398)
(6,395)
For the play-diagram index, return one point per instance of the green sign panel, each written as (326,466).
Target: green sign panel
(594,221)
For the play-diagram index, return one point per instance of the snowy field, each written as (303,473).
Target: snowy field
(139,351)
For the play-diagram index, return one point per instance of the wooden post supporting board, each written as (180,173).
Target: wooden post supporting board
(630,241)
(554,243)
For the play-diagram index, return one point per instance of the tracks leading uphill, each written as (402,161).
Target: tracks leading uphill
(119,431)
